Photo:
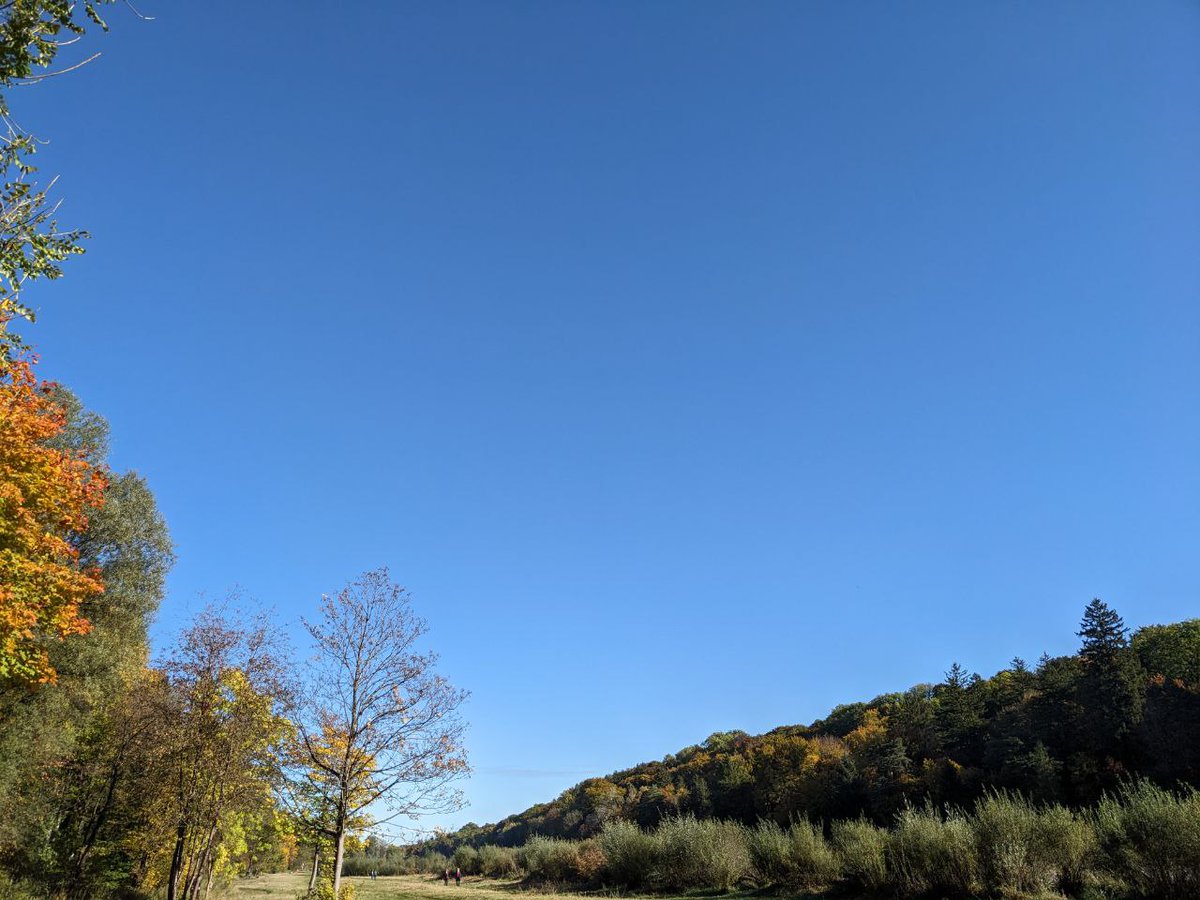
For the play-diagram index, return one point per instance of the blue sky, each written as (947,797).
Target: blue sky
(696,365)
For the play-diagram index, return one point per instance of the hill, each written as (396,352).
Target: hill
(1065,730)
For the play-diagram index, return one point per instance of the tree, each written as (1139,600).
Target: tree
(1172,651)
(380,737)
(1113,685)
(226,716)
(57,765)
(1103,631)
(46,494)
(958,714)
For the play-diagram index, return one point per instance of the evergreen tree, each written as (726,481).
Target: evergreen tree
(1112,690)
(1103,631)
(958,715)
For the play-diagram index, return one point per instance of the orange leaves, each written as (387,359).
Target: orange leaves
(45,495)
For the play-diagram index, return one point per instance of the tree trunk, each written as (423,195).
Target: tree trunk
(212,870)
(176,862)
(205,863)
(339,849)
(75,887)
(312,882)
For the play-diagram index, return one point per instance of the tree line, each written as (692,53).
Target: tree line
(127,775)
(122,775)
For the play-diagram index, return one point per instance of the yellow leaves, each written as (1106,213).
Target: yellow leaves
(45,494)
(602,794)
(872,731)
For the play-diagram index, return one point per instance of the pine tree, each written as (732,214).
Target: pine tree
(1103,631)
(959,714)
(1112,692)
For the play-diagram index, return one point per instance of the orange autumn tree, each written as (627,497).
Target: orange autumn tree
(45,495)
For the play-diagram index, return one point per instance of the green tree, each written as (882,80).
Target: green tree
(1112,690)
(1103,631)
(227,727)
(1172,651)
(54,760)
(958,715)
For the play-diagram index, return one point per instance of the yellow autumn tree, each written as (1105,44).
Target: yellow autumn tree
(379,730)
(45,495)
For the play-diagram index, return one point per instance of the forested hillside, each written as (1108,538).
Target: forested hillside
(1066,729)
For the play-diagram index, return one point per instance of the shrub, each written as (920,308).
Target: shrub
(498,862)
(1068,841)
(433,863)
(324,891)
(467,859)
(15,890)
(799,856)
(549,859)
(862,853)
(1008,843)
(589,860)
(769,853)
(630,854)
(385,865)
(814,862)
(695,853)
(928,853)
(1151,839)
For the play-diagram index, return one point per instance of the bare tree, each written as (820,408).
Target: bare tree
(380,737)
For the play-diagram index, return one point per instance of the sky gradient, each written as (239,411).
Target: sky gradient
(696,365)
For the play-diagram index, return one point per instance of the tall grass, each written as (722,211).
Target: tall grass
(549,859)
(1151,839)
(931,852)
(1011,856)
(1068,840)
(700,853)
(433,863)
(798,856)
(465,858)
(631,854)
(365,865)
(498,862)
(861,848)
(1143,841)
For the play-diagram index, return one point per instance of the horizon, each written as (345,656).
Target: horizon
(697,368)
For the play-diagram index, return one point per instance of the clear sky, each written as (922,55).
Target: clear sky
(697,365)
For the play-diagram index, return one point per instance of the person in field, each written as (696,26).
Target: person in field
(457,877)
(446,877)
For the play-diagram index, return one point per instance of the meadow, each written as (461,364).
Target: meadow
(289,885)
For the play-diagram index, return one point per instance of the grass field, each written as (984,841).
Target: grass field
(415,887)
(410,887)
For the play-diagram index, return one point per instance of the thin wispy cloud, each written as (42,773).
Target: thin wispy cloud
(512,772)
